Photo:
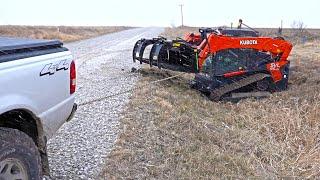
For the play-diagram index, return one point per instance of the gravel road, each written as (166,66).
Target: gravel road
(79,149)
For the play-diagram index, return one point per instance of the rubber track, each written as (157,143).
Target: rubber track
(216,94)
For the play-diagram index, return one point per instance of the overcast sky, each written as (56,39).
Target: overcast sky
(267,13)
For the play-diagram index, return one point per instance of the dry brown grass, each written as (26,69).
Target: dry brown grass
(63,33)
(170,131)
(172,33)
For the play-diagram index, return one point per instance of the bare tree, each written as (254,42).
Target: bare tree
(299,27)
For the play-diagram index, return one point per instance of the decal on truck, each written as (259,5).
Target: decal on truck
(50,69)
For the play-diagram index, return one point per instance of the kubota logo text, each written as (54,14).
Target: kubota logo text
(248,42)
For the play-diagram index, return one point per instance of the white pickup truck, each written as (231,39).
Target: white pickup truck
(37,86)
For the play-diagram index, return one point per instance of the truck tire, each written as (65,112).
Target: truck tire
(19,156)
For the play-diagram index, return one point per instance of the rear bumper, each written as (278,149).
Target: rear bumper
(74,109)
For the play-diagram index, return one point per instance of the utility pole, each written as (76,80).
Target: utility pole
(280,28)
(181,8)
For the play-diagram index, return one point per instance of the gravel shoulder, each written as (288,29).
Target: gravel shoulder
(79,149)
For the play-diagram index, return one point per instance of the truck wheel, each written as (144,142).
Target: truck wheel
(19,156)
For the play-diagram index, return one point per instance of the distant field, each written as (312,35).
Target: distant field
(63,33)
(170,131)
(293,35)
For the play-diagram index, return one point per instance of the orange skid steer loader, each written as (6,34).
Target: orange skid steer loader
(228,63)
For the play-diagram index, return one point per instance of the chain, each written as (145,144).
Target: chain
(130,90)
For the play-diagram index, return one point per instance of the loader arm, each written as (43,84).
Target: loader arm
(278,48)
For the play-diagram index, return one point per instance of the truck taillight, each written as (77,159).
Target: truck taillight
(72,77)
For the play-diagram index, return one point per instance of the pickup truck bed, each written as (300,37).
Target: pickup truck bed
(19,48)
(37,95)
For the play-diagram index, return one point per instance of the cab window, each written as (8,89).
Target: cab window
(207,66)
(229,60)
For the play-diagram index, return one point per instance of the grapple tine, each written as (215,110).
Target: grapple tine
(139,49)
(152,54)
(164,54)
(156,55)
(136,50)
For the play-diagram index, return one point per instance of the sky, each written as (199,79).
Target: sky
(205,13)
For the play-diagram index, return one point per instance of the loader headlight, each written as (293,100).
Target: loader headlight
(137,54)
(155,57)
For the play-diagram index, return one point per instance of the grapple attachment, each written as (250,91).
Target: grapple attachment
(139,50)
(176,55)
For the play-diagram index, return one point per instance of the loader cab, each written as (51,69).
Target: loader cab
(238,32)
(235,60)
(229,61)
(224,61)
(228,32)
(205,31)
